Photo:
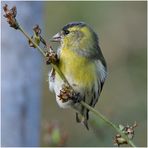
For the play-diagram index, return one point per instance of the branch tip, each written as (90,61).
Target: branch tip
(10,15)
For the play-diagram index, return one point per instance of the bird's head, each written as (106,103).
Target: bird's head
(78,36)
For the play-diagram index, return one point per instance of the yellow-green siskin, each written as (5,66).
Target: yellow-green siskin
(82,63)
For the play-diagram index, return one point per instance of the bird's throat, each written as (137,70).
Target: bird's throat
(77,68)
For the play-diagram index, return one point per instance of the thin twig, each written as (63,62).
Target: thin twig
(27,36)
(108,122)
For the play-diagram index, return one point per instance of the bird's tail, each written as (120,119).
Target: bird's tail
(83,117)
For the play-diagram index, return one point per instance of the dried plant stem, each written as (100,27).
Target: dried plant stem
(27,36)
(108,122)
(82,102)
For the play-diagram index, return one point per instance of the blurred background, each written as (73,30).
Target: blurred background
(122,30)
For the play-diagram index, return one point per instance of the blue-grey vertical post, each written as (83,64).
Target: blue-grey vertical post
(21,76)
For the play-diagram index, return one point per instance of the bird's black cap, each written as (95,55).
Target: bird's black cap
(69,25)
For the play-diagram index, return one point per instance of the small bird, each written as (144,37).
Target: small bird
(82,63)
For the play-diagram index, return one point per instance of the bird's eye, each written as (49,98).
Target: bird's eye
(66,32)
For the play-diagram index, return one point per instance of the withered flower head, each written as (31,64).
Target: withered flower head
(51,57)
(37,29)
(36,36)
(66,94)
(10,15)
(128,131)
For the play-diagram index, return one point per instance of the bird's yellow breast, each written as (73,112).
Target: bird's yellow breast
(78,68)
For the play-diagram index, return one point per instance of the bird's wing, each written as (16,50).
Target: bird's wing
(101,77)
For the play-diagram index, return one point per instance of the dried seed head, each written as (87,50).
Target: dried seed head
(13,11)
(30,43)
(10,15)
(37,29)
(66,94)
(128,131)
(36,36)
(51,57)
(5,8)
(119,141)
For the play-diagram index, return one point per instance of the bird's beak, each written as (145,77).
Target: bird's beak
(56,38)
